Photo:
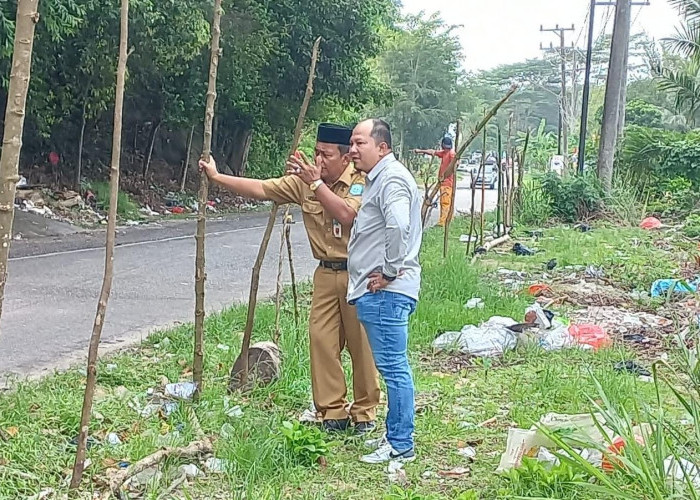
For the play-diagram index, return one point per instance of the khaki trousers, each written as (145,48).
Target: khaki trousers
(446,208)
(333,325)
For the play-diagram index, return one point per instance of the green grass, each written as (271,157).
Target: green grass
(126,207)
(42,417)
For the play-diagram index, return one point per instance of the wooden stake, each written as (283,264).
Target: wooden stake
(473,207)
(27,17)
(475,133)
(452,200)
(239,372)
(521,168)
(109,252)
(278,289)
(200,272)
(500,183)
(295,292)
(483,193)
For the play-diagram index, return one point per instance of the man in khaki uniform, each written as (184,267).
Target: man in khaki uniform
(329,192)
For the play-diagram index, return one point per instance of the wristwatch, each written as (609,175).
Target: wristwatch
(315,184)
(389,278)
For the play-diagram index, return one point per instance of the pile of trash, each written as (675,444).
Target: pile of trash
(65,206)
(499,334)
(601,445)
(625,324)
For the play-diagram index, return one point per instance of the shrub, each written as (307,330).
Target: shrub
(691,228)
(535,206)
(573,198)
(306,444)
(126,207)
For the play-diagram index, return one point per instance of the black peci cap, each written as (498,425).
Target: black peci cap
(331,133)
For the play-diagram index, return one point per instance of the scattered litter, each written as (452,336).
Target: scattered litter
(595,272)
(181,390)
(428,474)
(121,392)
(455,473)
(650,223)
(310,415)
(468,452)
(232,411)
(113,439)
(632,367)
(547,457)
(191,471)
(110,368)
(165,342)
(551,264)
(216,465)
(583,228)
(535,234)
(475,303)
(22,181)
(590,335)
(682,470)
(150,475)
(91,442)
(538,289)
(523,251)
(617,447)
(396,473)
(572,428)
(132,223)
(490,339)
(617,321)
(535,314)
(465,238)
(223,347)
(147,211)
(662,287)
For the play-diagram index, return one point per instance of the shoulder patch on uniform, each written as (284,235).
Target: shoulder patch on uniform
(356,189)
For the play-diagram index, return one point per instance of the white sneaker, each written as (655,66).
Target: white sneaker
(376,443)
(386,453)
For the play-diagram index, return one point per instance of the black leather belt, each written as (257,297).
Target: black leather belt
(335,266)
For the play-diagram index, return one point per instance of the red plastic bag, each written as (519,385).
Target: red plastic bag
(591,335)
(177,210)
(650,223)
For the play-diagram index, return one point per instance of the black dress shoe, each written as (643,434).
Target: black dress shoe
(336,425)
(364,428)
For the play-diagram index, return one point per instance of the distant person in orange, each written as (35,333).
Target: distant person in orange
(446,154)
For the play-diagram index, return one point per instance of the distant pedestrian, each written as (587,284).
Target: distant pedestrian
(447,155)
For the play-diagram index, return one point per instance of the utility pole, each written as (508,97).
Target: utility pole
(563,129)
(613,89)
(587,78)
(586,91)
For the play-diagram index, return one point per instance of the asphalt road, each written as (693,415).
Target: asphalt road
(55,277)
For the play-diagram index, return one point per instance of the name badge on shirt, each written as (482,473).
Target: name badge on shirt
(337,229)
(356,189)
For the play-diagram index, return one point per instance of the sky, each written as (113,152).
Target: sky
(497,32)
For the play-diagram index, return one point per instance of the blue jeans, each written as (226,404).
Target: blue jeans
(385,318)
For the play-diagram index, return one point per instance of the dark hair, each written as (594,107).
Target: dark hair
(381,132)
(344,149)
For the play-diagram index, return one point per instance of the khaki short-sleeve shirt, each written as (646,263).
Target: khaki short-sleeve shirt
(328,238)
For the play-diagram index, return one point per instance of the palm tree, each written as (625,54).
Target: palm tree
(684,81)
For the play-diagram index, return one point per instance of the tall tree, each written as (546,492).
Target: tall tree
(27,17)
(421,67)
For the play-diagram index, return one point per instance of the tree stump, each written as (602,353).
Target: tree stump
(264,367)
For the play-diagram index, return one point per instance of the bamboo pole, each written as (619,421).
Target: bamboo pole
(483,192)
(473,207)
(200,275)
(240,367)
(26,20)
(521,168)
(475,133)
(500,183)
(183,178)
(452,200)
(79,465)
(292,273)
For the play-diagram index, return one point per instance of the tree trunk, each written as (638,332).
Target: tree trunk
(611,107)
(238,149)
(200,275)
(109,252)
(79,173)
(27,17)
(187,160)
(151,143)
